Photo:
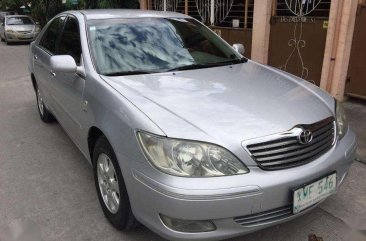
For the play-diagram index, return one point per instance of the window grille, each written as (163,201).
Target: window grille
(225,11)
(308,8)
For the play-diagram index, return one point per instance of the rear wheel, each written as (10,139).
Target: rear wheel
(45,115)
(111,188)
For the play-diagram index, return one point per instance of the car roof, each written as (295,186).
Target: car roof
(126,13)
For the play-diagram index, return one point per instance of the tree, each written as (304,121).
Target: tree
(14,5)
(132,4)
(43,10)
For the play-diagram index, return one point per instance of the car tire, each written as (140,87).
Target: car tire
(44,113)
(6,40)
(104,162)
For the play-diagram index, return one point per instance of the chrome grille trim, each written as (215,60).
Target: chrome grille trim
(265,217)
(25,32)
(283,150)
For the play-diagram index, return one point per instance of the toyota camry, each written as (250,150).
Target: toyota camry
(186,135)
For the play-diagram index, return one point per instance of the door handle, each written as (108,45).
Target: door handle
(53,74)
(35,57)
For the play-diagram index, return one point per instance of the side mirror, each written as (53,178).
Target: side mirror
(66,64)
(239,48)
(63,63)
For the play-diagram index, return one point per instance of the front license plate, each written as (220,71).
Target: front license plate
(314,192)
(25,37)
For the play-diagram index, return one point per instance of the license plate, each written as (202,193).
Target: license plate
(314,192)
(25,36)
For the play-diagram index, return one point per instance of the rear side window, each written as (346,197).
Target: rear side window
(70,40)
(50,37)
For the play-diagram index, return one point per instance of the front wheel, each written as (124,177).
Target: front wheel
(45,115)
(111,188)
(6,40)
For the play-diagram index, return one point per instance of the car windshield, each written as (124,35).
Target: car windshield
(148,45)
(19,21)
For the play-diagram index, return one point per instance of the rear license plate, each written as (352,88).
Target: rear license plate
(313,193)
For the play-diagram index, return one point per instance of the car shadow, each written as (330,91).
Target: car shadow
(15,43)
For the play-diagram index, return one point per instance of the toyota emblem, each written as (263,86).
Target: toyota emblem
(305,137)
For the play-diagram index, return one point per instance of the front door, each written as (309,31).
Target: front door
(68,88)
(43,52)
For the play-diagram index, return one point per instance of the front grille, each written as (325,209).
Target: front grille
(284,150)
(265,217)
(25,32)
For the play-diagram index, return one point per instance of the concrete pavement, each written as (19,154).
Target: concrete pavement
(47,185)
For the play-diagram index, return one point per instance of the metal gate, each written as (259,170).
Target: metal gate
(298,36)
(231,19)
(356,85)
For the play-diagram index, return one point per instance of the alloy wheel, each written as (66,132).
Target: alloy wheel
(40,102)
(108,183)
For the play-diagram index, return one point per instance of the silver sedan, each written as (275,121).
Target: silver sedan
(18,28)
(184,134)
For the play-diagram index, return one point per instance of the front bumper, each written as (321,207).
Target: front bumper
(19,37)
(225,199)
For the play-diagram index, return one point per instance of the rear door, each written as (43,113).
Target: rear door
(69,87)
(41,60)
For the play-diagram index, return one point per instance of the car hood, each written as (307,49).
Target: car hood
(226,104)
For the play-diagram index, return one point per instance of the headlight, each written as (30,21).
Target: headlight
(9,31)
(37,29)
(342,124)
(189,158)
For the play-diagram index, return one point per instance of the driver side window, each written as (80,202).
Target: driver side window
(70,40)
(50,37)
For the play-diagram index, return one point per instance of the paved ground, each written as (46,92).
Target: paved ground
(47,185)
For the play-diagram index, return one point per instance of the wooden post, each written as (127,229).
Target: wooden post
(246,14)
(338,46)
(186,7)
(274,8)
(143,4)
(261,29)
(212,12)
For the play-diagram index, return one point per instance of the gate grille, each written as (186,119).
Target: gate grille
(322,8)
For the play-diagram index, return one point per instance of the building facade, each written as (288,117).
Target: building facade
(322,41)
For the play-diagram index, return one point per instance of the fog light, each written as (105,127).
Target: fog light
(188,226)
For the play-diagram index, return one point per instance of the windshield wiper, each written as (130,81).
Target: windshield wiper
(234,61)
(132,72)
(190,66)
(208,65)
(184,67)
